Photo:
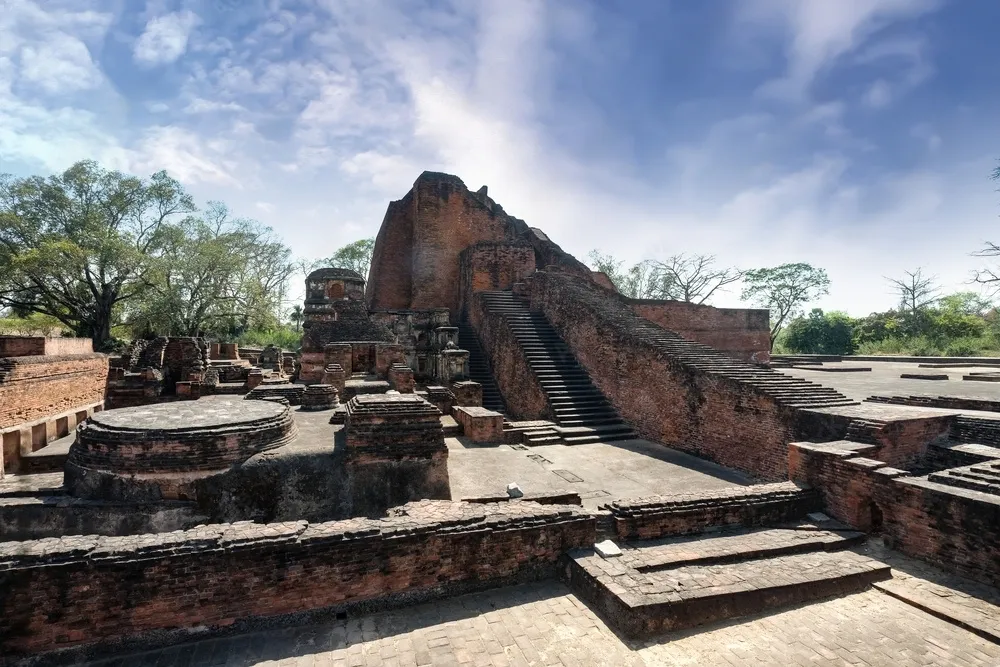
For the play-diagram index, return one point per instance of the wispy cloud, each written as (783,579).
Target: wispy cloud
(165,38)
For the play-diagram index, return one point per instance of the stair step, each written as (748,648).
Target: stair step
(660,588)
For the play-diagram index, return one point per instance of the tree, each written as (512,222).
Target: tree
(916,291)
(79,245)
(693,278)
(820,333)
(609,266)
(217,274)
(784,290)
(297,316)
(355,256)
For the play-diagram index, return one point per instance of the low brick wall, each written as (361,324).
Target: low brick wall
(116,592)
(955,528)
(684,513)
(34,388)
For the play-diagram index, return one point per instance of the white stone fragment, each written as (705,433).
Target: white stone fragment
(514,491)
(607,549)
(817,517)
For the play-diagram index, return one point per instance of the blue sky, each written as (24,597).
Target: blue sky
(857,135)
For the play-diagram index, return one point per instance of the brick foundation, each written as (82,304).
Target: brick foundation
(155,589)
(955,528)
(683,513)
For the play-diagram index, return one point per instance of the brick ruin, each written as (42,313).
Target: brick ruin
(329,492)
(47,387)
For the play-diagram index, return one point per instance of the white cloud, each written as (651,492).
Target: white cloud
(201,105)
(186,157)
(819,33)
(165,38)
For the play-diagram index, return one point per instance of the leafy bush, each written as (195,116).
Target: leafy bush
(285,337)
(964,347)
(819,333)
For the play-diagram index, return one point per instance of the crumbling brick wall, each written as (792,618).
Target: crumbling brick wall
(415,262)
(954,528)
(740,332)
(87,590)
(522,393)
(663,399)
(33,388)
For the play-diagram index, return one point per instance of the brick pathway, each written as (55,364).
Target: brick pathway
(544,624)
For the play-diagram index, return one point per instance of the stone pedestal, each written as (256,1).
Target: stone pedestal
(318,397)
(480,424)
(254,378)
(453,365)
(401,379)
(467,393)
(334,375)
(394,452)
(441,398)
(388,355)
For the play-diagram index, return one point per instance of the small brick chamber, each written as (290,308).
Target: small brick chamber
(159,452)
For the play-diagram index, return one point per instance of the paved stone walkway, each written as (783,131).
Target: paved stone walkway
(544,624)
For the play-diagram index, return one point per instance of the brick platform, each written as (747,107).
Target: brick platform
(157,452)
(672,585)
(480,424)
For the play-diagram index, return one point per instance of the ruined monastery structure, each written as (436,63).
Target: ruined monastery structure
(481,411)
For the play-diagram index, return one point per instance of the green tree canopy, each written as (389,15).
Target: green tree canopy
(217,274)
(784,290)
(821,333)
(79,245)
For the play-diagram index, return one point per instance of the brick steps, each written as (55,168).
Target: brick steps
(576,403)
(984,478)
(676,584)
(479,368)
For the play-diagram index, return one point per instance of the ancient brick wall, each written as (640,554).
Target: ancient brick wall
(740,332)
(415,263)
(494,266)
(686,513)
(953,527)
(666,401)
(94,590)
(31,346)
(36,387)
(522,393)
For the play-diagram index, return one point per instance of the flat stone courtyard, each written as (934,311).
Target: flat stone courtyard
(545,624)
(883,380)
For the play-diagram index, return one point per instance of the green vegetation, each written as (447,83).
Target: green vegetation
(958,325)
(110,255)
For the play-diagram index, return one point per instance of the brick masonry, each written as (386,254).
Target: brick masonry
(706,415)
(115,591)
(684,513)
(739,332)
(34,388)
(953,527)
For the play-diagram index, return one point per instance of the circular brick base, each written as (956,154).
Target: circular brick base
(158,452)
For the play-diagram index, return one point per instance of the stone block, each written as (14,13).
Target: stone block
(467,393)
(479,424)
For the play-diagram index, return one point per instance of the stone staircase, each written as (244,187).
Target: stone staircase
(712,556)
(983,477)
(479,368)
(581,412)
(788,390)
